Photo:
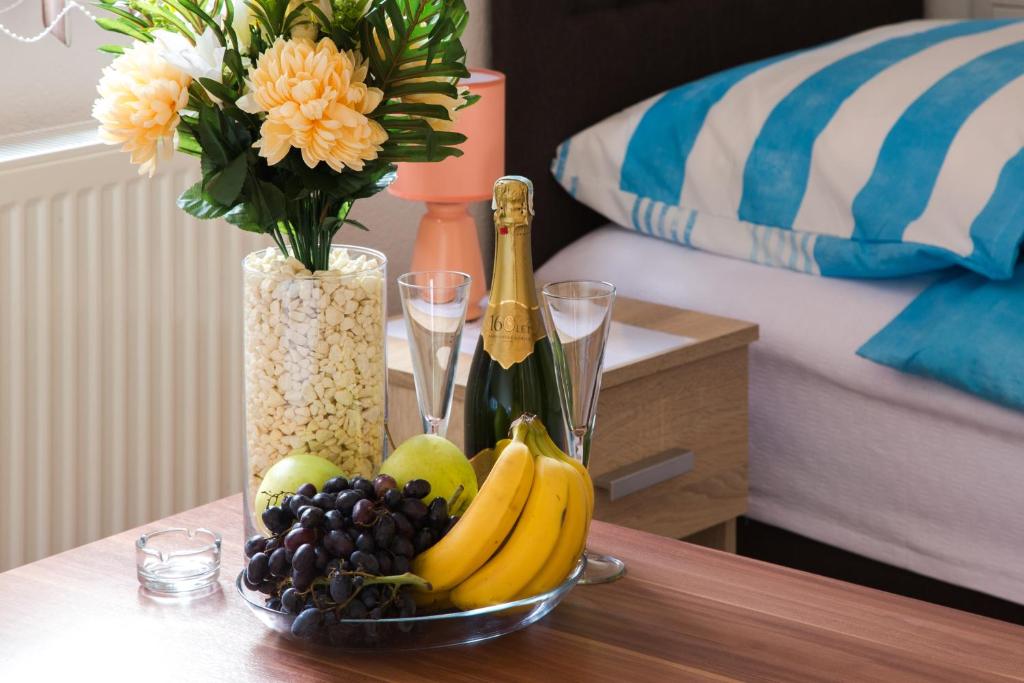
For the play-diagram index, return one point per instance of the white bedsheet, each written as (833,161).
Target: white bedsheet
(894,467)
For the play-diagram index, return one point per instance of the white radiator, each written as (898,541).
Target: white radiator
(120,348)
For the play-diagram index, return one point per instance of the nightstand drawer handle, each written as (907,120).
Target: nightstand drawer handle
(645,474)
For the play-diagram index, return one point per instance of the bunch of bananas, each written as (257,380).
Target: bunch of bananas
(523,533)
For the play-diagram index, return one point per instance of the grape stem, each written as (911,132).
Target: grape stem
(406,579)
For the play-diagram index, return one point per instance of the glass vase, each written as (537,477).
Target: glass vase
(315,369)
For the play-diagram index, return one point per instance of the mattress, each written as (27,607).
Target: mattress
(890,466)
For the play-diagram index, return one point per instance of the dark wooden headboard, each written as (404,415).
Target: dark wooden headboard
(571,63)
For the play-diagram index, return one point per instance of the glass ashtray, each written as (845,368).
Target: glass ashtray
(420,632)
(178,560)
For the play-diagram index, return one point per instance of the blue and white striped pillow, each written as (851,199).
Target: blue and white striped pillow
(894,151)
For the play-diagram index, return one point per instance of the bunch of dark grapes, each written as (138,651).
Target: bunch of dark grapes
(344,552)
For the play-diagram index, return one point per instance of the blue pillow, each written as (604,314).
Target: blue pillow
(894,151)
(963,330)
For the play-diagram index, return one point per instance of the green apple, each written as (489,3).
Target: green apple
(290,473)
(437,460)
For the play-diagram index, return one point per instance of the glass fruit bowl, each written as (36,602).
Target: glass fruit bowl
(420,632)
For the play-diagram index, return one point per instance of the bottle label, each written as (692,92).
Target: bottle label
(510,331)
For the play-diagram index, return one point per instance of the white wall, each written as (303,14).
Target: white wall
(947,9)
(953,9)
(46,84)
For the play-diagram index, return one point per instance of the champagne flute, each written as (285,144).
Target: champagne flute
(434,307)
(578,314)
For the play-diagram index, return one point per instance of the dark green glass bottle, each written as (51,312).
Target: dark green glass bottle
(513,369)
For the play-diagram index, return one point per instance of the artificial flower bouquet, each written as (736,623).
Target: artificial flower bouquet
(296,109)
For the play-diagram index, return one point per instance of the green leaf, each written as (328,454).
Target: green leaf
(219,90)
(268,203)
(225,185)
(112,49)
(434,111)
(398,34)
(245,216)
(195,202)
(187,142)
(352,221)
(124,27)
(470,100)
(210,136)
(139,21)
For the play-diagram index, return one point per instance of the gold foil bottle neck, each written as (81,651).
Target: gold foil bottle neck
(512,324)
(513,200)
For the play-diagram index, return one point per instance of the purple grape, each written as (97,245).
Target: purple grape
(392,499)
(324,501)
(297,502)
(423,539)
(362,513)
(384,530)
(383,483)
(403,527)
(322,558)
(307,623)
(437,511)
(276,519)
(414,509)
(362,484)
(255,544)
(304,558)
(400,565)
(258,568)
(347,500)
(338,544)
(365,561)
(297,537)
(291,601)
(402,546)
(416,488)
(302,580)
(334,520)
(279,563)
(366,543)
(335,485)
(341,588)
(312,517)
(308,490)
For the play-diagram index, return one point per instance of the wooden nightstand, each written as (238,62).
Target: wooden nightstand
(691,398)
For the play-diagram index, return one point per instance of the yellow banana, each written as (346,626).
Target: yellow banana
(540,442)
(432,601)
(571,539)
(485,524)
(531,542)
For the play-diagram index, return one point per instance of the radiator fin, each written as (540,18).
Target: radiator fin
(121,384)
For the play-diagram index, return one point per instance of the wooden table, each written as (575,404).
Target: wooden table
(682,613)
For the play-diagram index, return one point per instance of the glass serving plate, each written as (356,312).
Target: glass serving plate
(420,632)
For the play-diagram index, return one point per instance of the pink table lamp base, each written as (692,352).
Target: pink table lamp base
(447,240)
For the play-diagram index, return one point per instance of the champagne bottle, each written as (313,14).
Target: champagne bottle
(513,369)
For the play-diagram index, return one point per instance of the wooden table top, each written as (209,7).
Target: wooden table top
(682,613)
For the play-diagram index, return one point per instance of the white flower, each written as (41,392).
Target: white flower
(205,59)
(311,29)
(240,23)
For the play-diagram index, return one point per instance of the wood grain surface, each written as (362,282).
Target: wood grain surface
(682,613)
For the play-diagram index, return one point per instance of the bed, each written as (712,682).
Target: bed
(892,467)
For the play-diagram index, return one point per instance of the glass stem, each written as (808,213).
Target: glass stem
(436,425)
(579,444)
